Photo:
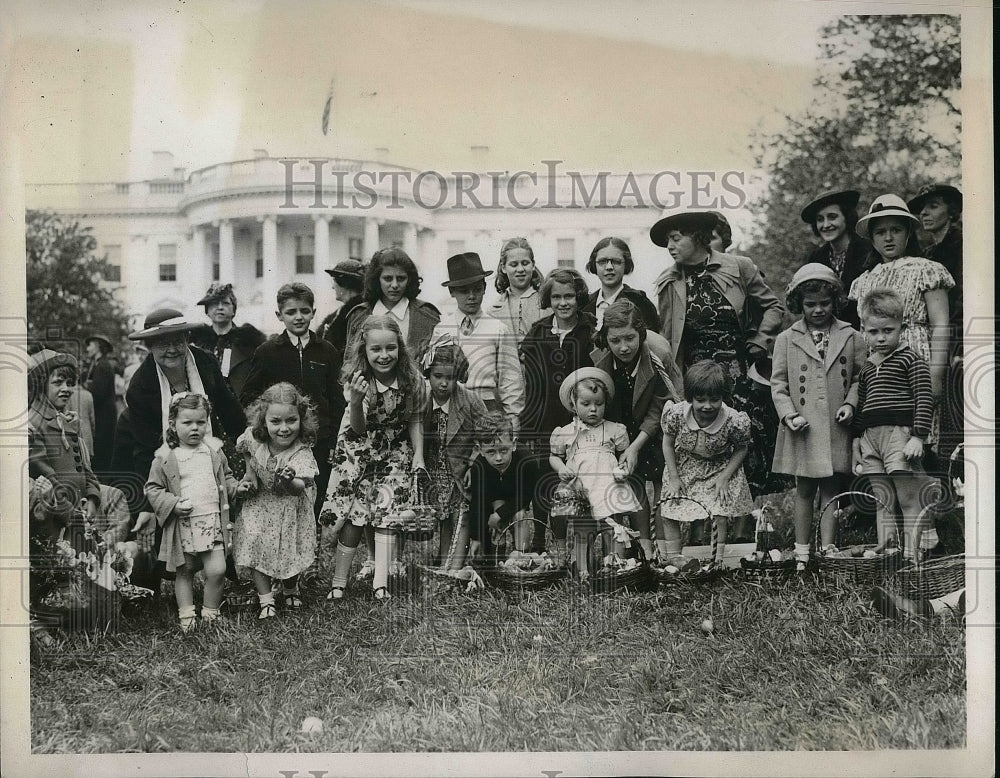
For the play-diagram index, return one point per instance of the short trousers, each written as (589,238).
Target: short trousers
(882,451)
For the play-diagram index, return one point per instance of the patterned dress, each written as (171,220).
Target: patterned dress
(702,453)
(445,492)
(276,533)
(371,478)
(592,453)
(910,278)
(712,330)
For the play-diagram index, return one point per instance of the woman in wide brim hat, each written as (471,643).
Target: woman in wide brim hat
(717,306)
(922,284)
(232,345)
(832,217)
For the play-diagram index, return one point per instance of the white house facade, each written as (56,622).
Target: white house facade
(259,223)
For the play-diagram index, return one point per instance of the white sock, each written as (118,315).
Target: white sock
(209,614)
(342,564)
(265,599)
(802,552)
(929,539)
(186,615)
(385,548)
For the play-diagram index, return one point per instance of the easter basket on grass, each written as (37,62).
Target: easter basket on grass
(928,580)
(82,581)
(611,571)
(447,575)
(861,564)
(696,571)
(521,568)
(769,560)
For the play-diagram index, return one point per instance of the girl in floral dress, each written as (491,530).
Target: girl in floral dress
(276,532)
(380,444)
(704,444)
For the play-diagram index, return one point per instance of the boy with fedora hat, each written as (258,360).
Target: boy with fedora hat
(488,344)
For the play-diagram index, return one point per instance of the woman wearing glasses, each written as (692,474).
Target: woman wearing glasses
(611,261)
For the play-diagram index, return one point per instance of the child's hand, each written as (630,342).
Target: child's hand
(856,465)
(475,549)
(494,520)
(628,460)
(418,464)
(845,413)
(183,507)
(359,387)
(284,474)
(796,423)
(567,473)
(721,489)
(674,487)
(246,486)
(914,449)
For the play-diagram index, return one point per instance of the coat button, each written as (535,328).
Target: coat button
(804,367)
(844,373)
(802,401)
(802,389)
(843,360)
(802,379)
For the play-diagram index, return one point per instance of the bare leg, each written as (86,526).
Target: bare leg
(885,521)
(915,492)
(805,498)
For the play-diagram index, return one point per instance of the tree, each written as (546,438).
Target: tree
(67,296)
(884,119)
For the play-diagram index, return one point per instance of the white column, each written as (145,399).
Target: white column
(322,230)
(272,273)
(201,262)
(410,240)
(371,237)
(227,252)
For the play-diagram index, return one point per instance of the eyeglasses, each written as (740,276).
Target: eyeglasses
(607,262)
(166,341)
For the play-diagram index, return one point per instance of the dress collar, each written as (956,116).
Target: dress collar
(383,388)
(712,428)
(398,311)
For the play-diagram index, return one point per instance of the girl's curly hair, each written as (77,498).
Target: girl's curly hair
(285,394)
(381,259)
(411,382)
(187,401)
(793,300)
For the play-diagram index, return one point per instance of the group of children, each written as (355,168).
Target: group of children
(416,424)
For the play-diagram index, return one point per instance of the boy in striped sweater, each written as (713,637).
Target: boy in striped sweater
(893,418)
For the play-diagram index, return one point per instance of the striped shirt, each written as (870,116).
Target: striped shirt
(896,393)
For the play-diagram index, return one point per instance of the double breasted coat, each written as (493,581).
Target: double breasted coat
(803,383)
(465,408)
(163,490)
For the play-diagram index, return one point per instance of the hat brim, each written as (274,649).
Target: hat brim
(754,375)
(846,199)
(100,339)
(945,191)
(468,281)
(156,331)
(699,220)
(861,228)
(566,387)
(52,360)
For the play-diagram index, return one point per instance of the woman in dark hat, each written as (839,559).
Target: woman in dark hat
(392,284)
(348,284)
(99,379)
(231,345)
(717,306)
(171,367)
(939,208)
(832,217)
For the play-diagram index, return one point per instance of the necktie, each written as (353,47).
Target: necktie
(466,327)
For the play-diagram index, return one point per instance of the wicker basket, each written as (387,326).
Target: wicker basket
(765,567)
(637,578)
(860,570)
(933,579)
(707,573)
(81,604)
(514,580)
(424,521)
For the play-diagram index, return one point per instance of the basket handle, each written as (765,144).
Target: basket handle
(509,529)
(835,498)
(609,531)
(708,517)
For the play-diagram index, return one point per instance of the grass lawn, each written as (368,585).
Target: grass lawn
(801,664)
